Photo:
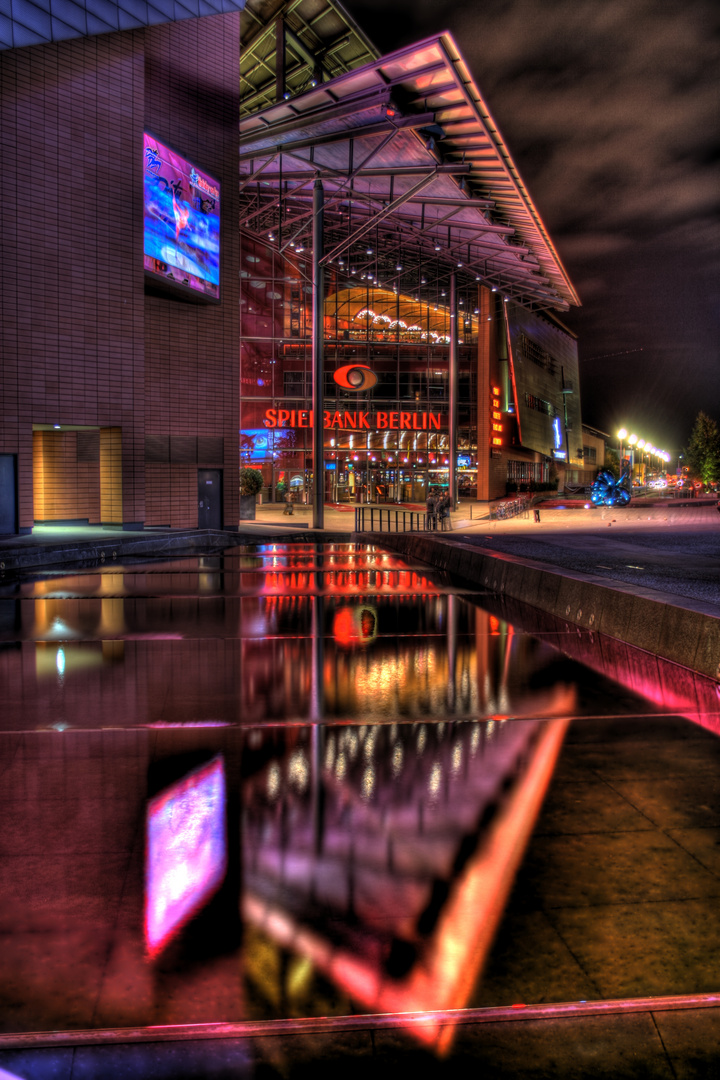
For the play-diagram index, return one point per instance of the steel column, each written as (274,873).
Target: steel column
(318,336)
(452,434)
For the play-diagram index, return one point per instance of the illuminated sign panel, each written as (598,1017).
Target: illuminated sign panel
(356,421)
(181,221)
(495,416)
(185,851)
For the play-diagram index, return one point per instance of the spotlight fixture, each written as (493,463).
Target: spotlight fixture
(437,247)
(459,265)
(423,280)
(368,251)
(286,95)
(398,266)
(494,288)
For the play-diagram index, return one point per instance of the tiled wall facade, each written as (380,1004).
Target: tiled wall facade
(66,484)
(192,372)
(81,343)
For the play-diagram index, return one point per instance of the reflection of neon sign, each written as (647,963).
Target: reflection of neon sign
(185,851)
(557,433)
(355,626)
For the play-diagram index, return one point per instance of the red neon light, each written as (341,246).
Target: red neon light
(356,420)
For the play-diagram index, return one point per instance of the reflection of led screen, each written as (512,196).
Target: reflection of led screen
(185,851)
(181,221)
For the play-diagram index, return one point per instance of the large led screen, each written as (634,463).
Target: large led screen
(181,208)
(185,851)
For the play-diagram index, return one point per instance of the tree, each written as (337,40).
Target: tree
(703,450)
(251,481)
(612,461)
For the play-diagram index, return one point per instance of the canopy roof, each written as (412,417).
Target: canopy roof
(418,181)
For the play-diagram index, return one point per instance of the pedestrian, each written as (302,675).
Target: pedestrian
(536,513)
(288,502)
(444,510)
(431,510)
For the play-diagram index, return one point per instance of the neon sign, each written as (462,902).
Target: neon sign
(557,433)
(495,416)
(355,377)
(356,421)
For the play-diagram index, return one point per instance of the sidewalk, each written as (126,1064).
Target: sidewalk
(625,1041)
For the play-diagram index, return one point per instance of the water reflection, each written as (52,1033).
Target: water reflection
(249,638)
(382,856)
(385,747)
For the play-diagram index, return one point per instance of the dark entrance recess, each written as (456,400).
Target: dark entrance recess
(8,494)
(209,498)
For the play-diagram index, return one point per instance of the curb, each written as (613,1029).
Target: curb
(681,630)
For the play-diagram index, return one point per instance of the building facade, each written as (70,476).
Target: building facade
(132,388)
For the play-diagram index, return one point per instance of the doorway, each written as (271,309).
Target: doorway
(8,494)
(209,498)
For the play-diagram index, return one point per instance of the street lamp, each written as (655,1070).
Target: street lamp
(622,434)
(632,439)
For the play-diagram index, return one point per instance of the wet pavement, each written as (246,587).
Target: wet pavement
(297,781)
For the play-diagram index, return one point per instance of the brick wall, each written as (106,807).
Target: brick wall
(81,343)
(192,351)
(72,296)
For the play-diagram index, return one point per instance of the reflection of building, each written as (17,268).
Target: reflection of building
(383,855)
(120,399)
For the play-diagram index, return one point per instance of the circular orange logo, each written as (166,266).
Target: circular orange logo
(355,377)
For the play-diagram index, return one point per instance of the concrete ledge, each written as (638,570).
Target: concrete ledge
(27,557)
(684,631)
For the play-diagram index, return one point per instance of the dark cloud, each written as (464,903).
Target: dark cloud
(610,110)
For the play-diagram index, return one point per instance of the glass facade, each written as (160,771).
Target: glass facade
(388,443)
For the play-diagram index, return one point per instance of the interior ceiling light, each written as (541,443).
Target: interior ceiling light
(437,247)
(459,265)
(494,288)
(368,251)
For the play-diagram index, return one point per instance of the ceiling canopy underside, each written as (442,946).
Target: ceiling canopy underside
(418,182)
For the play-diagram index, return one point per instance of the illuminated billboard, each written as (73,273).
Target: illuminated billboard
(185,851)
(181,221)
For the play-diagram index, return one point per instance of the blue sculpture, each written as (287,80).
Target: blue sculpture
(607,491)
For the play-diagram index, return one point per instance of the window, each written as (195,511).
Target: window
(532,402)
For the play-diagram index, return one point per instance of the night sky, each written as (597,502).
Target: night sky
(610,109)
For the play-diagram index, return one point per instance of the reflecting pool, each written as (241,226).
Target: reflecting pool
(299,780)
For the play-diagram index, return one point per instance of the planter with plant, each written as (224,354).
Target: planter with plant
(251,482)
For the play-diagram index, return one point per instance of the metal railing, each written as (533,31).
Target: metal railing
(510,508)
(383,519)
